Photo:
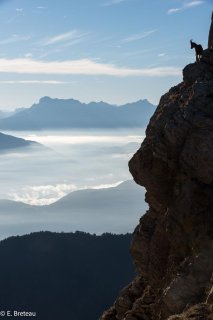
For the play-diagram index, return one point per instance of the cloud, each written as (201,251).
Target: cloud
(53,82)
(19,9)
(173,10)
(72,35)
(161,54)
(137,37)
(112,2)
(106,186)
(70,139)
(186,5)
(47,194)
(14,38)
(42,195)
(193,4)
(81,67)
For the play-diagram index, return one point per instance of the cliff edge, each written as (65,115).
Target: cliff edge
(173,243)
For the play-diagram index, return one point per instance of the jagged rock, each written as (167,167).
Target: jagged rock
(126,299)
(173,243)
(200,71)
(198,312)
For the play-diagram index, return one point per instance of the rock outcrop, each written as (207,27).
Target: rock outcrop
(173,243)
(210,40)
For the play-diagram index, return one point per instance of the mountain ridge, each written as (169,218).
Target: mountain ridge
(12,143)
(57,113)
(91,210)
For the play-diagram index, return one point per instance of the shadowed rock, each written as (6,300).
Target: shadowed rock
(172,246)
(210,40)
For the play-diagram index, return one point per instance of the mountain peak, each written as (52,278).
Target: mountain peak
(45,99)
(55,113)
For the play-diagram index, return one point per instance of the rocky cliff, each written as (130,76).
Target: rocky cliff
(173,243)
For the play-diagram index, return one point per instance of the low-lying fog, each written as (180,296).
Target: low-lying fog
(73,160)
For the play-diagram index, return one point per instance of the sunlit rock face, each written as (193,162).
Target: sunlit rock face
(173,244)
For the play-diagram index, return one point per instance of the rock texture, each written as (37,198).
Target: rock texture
(173,243)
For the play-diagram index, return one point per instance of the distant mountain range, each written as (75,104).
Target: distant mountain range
(59,114)
(72,276)
(115,209)
(9,143)
(5,114)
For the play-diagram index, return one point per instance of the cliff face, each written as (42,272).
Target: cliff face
(173,243)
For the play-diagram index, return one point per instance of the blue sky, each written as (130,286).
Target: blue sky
(112,50)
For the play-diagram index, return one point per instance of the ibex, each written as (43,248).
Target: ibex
(198,50)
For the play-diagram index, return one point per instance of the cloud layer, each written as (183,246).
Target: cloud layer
(112,2)
(47,194)
(52,82)
(81,67)
(42,195)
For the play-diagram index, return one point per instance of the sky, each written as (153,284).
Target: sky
(116,51)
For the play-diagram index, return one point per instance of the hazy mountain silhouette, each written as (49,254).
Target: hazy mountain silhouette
(63,276)
(5,114)
(8,142)
(115,209)
(59,114)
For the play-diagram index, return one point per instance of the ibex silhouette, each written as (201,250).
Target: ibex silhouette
(198,50)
